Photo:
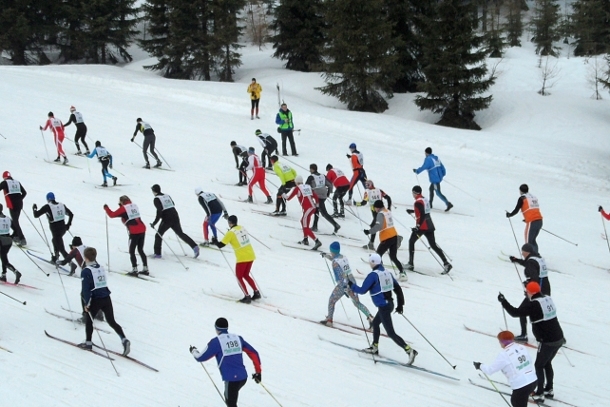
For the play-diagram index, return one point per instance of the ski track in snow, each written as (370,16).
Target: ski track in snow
(557,144)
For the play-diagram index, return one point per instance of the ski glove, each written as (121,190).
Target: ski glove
(501,297)
(367,232)
(415,229)
(132,139)
(399,310)
(35,207)
(477,365)
(225,215)
(410,211)
(257,377)
(347,155)
(357,203)
(513,259)
(507,214)
(414,170)
(600,209)
(40,127)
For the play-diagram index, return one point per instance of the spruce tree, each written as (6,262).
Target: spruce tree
(514,23)
(546,27)
(299,38)
(494,37)
(224,40)
(454,67)
(591,25)
(361,54)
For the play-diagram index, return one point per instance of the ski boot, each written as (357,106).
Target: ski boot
(79,152)
(412,354)
(342,213)
(249,200)
(409,266)
(86,345)
(314,228)
(126,346)
(403,276)
(147,166)
(246,300)
(283,213)
(305,242)
(87,152)
(114,181)
(256,295)
(105,184)
(144,271)
(449,206)
(269,200)
(58,159)
(538,398)
(446,268)
(158,164)
(549,393)
(72,269)
(327,322)
(195,252)
(3,277)
(372,350)
(521,338)
(206,243)
(335,214)
(65,160)
(17,276)
(133,272)
(317,245)
(157,256)
(337,227)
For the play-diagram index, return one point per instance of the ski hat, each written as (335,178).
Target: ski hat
(378,204)
(273,158)
(232,219)
(352,146)
(251,150)
(233,143)
(72,109)
(198,191)
(532,288)
(335,247)
(156,188)
(416,189)
(428,150)
(253,79)
(298,180)
(506,337)
(528,247)
(524,188)
(6,175)
(258,131)
(221,324)
(50,196)
(313,167)
(138,120)
(76,241)
(374,259)
(370,181)
(329,167)
(98,143)
(50,114)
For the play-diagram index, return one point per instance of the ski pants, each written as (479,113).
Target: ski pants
(105,305)
(322,211)
(58,230)
(59,139)
(338,196)
(258,178)
(232,392)
(372,235)
(254,108)
(532,229)
(339,291)
(284,189)
(544,368)
(429,234)
(105,173)
(136,241)
(5,246)
(384,316)
(306,221)
(81,132)
(177,228)
(288,135)
(359,175)
(243,178)
(267,153)
(390,244)
(17,232)
(210,221)
(437,188)
(520,397)
(242,271)
(149,143)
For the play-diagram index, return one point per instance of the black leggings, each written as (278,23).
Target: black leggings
(544,368)
(17,232)
(255,104)
(175,226)
(431,241)
(384,316)
(338,196)
(390,244)
(322,211)
(6,244)
(81,132)
(105,305)
(283,190)
(137,241)
(232,392)
(149,143)
(288,136)
(58,230)
(520,397)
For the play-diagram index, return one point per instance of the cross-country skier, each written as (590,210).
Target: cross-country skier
(96,297)
(342,273)
(286,127)
(149,141)
(105,158)
(309,202)
(379,283)
(516,364)
(168,215)
(81,129)
(57,128)
(341,184)
(535,270)
(423,227)
(357,160)
(56,214)
(213,208)
(372,195)
(388,236)
(322,187)
(5,246)
(239,240)
(130,216)
(542,312)
(14,193)
(529,206)
(76,253)
(269,147)
(254,89)
(286,175)
(228,349)
(258,176)
(240,153)
(436,172)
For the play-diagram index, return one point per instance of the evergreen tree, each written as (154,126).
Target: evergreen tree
(226,32)
(514,23)
(299,35)
(454,66)
(546,27)
(591,25)
(494,38)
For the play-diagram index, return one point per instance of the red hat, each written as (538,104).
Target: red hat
(6,175)
(506,337)
(532,287)
(72,108)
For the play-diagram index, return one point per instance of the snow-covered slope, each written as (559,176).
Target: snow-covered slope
(556,144)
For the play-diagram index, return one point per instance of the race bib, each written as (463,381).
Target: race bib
(132,211)
(58,212)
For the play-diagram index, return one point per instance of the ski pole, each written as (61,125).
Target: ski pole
(564,353)
(268,392)
(180,243)
(460,189)
(32,260)
(169,247)
(216,387)
(496,389)
(430,343)
(333,280)
(65,293)
(2,136)
(13,298)
(298,165)
(103,345)
(504,314)
(254,237)
(37,231)
(419,237)
(559,237)
(605,232)
(107,242)
(45,145)
(514,235)
(164,160)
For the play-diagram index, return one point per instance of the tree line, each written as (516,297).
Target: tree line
(366,50)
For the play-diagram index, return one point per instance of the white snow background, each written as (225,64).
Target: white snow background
(557,144)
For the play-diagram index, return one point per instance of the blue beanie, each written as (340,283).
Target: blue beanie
(50,196)
(335,247)
(353,145)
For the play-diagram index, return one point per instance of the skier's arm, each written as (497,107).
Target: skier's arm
(252,354)
(400,297)
(93,153)
(292,194)
(115,214)
(204,205)
(278,119)
(387,198)
(425,166)
(44,210)
(159,207)
(522,311)
(72,120)
(135,132)
(495,366)
(532,270)
(71,256)
(47,124)
(209,352)
(367,284)
(23,192)
(517,208)
(70,217)
(250,165)
(365,199)
(86,286)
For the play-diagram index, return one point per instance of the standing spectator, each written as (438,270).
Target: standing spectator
(81,129)
(149,141)
(254,89)
(286,127)
(14,193)
(436,172)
